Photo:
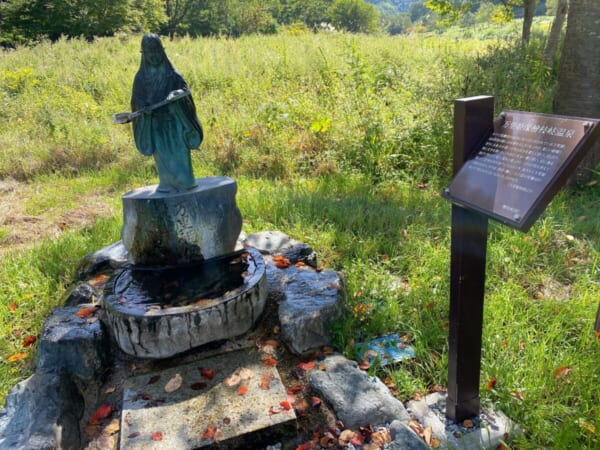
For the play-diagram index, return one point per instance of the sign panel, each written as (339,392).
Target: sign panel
(527,158)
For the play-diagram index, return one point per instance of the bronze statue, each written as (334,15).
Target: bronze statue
(164,118)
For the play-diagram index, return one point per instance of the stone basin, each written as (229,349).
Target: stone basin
(158,312)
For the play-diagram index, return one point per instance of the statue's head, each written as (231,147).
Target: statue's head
(153,52)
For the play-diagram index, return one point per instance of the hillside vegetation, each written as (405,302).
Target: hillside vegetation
(344,142)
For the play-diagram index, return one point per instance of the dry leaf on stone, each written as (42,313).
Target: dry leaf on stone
(154,379)
(209,433)
(157,436)
(245,373)
(101,413)
(174,383)
(86,312)
(207,374)
(328,440)
(242,390)
(113,427)
(467,423)
(133,435)
(232,380)
(427,435)
(285,405)
(346,436)
(306,366)
(271,362)
(381,437)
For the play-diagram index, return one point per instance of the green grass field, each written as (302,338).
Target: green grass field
(343,142)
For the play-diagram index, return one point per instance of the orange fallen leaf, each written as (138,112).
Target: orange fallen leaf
(16,357)
(242,390)
(562,371)
(113,427)
(491,384)
(271,362)
(305,446)
(98,280)
(301,407)
(597,334)
(29,340)
(306,366)
(209,433)
(101,413)
(285,405)
(157,436)
(467,423)
(300,264)
(295,388)
(207,374)
(12,307)
(86,312)
(281,262)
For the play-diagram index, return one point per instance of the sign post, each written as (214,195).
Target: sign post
(507,169)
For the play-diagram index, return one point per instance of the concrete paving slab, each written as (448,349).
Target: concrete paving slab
(199,404)
(486,431)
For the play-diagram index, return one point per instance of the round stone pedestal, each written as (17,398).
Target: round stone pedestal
(158,313)
(182,227)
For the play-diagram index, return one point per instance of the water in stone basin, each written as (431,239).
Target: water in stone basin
(152,288)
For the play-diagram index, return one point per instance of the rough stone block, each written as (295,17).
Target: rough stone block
(356,398)
(74,345)
(182,227)
(278,243)
(42,412)
(311,302)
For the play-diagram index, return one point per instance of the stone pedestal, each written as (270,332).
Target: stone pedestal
(178,228)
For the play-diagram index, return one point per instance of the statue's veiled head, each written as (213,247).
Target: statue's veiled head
(153,53)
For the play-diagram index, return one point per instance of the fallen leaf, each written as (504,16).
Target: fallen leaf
(242,390)
(518,395)
(364,366)
(16,357)
(306,446)
(586,426)
(174,383)
(245,373)
(209,433)
(315,401)
(12,307)
(265,383)
(110,390)
(133,435)
(562,371)
(357,439)
(381,437)
(207,374)
(522,346)
(346,436)
(294,389)
(198,386)
(328,440)
(86,312)
(435,442)
(281,262)
(491,384)
(271,362)
(467,423)
(98,280)
(301,407)
(597,334)
(154,379)
(101,413)
(272,342)
(285,405)
(232,380)
(306,366)
(416,427)
(428,434)
(113,427)
(157,436)
(300,264)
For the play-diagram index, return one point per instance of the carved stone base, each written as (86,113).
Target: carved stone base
(182,227)
(179,310)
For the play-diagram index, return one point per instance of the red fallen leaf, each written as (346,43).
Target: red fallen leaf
(86,312)
(316,401)
(282,263)
(98,280)
(291,397)
(242,390)
(265,384)
(12,307)
(285,405)
(101,413)
(207,374)
(357,439)
(198,386)
(271,362)
(272,342)
(209,433)
(154,379)
(157,436)
(305,446)
(29,340)
(306,366)
(133,435)
(295,388)
(562,371)
(491,384)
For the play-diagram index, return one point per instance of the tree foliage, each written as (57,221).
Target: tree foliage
(355,16)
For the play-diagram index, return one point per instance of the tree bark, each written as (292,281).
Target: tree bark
(554,38)
(529,10)
(578,89)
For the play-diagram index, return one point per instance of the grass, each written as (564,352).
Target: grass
(344,143)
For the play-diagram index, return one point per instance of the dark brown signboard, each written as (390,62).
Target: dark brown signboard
(515,172)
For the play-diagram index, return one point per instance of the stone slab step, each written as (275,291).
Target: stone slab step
(218,399)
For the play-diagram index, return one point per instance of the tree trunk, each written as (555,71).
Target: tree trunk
(552,46)
(578,89)
(529,10)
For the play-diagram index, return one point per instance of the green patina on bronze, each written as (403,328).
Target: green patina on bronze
(168,127)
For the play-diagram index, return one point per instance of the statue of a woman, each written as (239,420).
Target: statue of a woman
(170,131)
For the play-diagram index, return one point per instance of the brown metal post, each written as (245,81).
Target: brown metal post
(473,122)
